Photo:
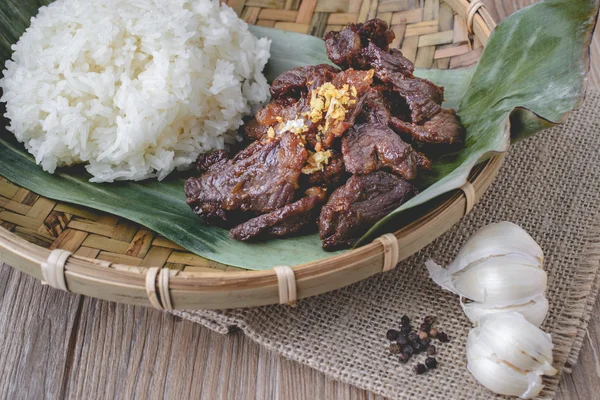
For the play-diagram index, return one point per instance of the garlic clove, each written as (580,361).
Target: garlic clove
(501,281)
(507,354)
(495,240)
(534,311)
(512,339)
(502,379)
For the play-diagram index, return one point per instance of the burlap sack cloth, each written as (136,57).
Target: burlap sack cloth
(549,185)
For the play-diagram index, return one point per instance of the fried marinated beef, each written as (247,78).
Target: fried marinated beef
(261,178)
(290,219)
(371,147)
(294,83)
(331,176)
(353,208)
(333,148)
(443,128)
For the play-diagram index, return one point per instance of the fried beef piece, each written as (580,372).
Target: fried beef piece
(361,81)
(291,219)
(343,46)
(252,130)
(293,83)
(380,105)
(443,128)
(376,108)
(383,62)
(370,147)
(423,162)
(279,111)
(261,178)
(207,160)
(353,208)
(376,31)
(423,97)
(332,175)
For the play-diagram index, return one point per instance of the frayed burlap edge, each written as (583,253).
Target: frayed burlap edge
(572,323)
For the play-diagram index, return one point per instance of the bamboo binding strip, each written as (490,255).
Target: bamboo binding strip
(93,253)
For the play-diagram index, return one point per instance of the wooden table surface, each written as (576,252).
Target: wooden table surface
(56,345)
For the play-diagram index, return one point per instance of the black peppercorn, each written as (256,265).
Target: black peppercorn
(425,327)
(417,347)
(395,348)
(406,329)
(402,339)
(420,369)
(405,320)
(408,350)
(429,320)
(392,334)
(403,358)
(425,342)
(433,332)
(442,337)
(431,362)
(413,336)
(431,350)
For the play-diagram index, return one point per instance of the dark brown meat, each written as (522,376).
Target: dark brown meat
(332,175)
(423,97)
(252,130)
(361,81)
(353,208)
(343,46)
(423,162)
(383,62)
(207,160)
(278,111)
(261,178)
(443,128)
(293,83)
(376,31)
(370,147)
(375,108)
(291,219)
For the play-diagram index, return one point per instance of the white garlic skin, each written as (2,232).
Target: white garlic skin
(534,311)
(502,379)
(501,281)
(494,240)
(507,354)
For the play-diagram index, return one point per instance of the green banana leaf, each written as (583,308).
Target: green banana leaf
(530,76)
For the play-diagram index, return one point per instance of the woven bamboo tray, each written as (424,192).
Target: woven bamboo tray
(115,259)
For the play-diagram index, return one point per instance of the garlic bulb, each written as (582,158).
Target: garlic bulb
(534,311)
(508,355)
(500,266)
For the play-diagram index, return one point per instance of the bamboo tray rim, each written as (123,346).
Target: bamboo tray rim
(185,290)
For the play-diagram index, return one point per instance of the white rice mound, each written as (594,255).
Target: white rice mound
(133,89)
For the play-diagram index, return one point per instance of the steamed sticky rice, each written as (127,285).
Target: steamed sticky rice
(132,89)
